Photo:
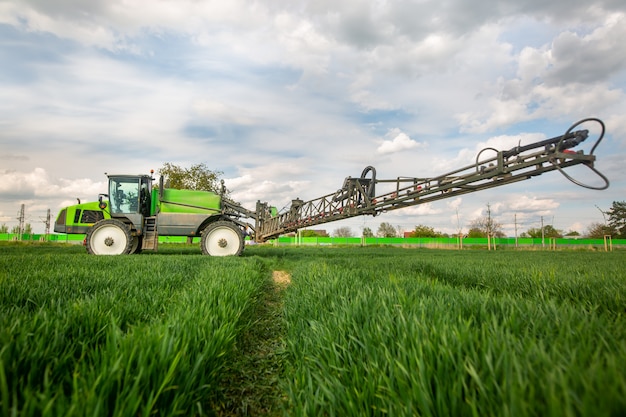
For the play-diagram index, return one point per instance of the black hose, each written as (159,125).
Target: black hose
(372,186)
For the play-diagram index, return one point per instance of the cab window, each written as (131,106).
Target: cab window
(124,195)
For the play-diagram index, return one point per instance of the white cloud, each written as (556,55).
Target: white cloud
(525,203)
(425,209)
(399,142)
(568,76)
(455,204)
(38,183)
(289,97)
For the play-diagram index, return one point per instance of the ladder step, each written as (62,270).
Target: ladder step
(150,235)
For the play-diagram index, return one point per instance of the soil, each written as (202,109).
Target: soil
(281,278)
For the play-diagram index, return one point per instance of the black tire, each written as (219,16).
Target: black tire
(135,247)
(222,238)
(109,237)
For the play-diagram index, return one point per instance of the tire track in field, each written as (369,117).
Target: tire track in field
(251,383)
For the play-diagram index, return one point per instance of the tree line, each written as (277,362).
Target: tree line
(614,226)
(28,229)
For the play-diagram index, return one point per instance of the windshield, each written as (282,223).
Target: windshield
(124,195)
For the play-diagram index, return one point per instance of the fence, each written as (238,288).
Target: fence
(442,242)
(455,242)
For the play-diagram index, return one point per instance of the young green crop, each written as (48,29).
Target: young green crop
(128,335)
(392,332)
(367,331)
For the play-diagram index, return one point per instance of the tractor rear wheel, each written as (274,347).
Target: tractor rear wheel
(109,237)
(222,238)
(136,245)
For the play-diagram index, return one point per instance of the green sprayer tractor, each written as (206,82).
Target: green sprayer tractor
(134,213)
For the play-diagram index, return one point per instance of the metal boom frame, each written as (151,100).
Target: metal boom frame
(357,196)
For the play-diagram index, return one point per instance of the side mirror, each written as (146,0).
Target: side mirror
(102,204)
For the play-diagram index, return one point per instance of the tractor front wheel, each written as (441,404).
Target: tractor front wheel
(222,238)
(109,237)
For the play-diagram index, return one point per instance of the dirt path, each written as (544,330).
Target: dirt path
(281,278)
(251,386)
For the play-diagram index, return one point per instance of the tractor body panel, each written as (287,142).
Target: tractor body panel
(189,201)
(181,224)
(77,219)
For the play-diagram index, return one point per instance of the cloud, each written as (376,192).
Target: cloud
(399,142)
(425,209)
(288,97)
(569,76)
(525,203)
(590,58)
(16,185)
(13,157)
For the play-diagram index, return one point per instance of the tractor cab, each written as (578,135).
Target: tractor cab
(129,194)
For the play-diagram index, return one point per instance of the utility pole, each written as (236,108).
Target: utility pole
(20,218)
(488,226)
(458,225)
(515,222)
(488,219)
(603,216)
(46,222)
(543,238)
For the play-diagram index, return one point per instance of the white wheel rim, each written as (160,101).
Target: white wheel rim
(108,240)
(222,241)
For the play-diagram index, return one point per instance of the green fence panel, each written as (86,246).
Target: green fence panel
(444,242)
(447,241)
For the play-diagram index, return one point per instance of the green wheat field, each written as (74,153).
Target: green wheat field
(312,331)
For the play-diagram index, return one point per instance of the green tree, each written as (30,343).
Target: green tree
(313,233)
(551,231)
(474,232)
(367,232)
(4,228)
(548,231)
(386,230)
(424,231)
(342,232)
(617,219)
(196,177)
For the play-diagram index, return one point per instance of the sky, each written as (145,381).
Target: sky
(288,97)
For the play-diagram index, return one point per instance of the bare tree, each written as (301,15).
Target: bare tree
(343,232)
(386,230)
(485,226)
(598,231)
